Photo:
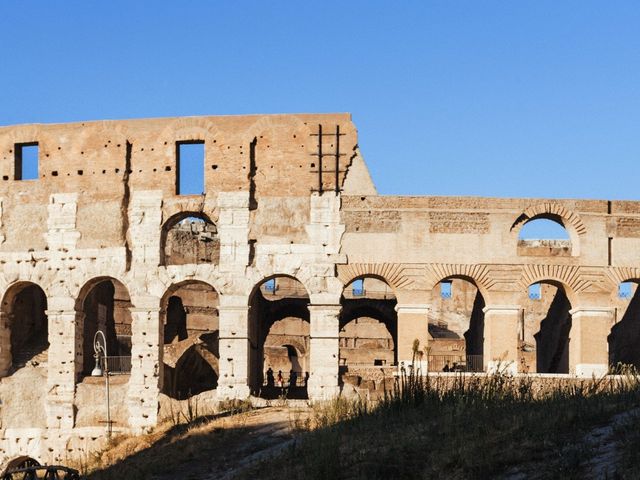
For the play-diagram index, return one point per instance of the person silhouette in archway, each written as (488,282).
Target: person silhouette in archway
(270,378)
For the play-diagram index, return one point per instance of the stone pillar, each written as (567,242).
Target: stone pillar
(62,368)
(145,224)
(501,324)
(5,344)
(588,346)
(413,324)
(325,349)
(233,231)
(233,377)
(146,358)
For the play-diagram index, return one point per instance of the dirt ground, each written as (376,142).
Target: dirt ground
(218,448)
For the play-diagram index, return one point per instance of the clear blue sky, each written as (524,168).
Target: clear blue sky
(522,98)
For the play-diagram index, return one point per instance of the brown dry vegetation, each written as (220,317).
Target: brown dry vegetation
(468,428)
(176,448)
(455,427)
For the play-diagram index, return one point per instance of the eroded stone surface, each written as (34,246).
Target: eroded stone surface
(105,209)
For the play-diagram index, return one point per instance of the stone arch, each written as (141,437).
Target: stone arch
(392,274)
(89,283)
(278,316)
(266,278)
(557,213)
(23,325)
(299,346)
(176,285)
(171,279)
(552,211)
(189,316)
(103,303)
(189,206)
(566,276)
(368,322)
(299,271)
(545,328)
(456,320)
(478,275)
(195,243)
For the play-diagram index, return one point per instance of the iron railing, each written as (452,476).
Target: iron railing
(367,364)
(455,363)
(119,365)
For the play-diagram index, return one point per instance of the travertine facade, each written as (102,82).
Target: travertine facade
(99,241)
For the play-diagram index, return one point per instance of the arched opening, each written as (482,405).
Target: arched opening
(106,306)
(24,312)
(368,334)
(544,235)
(624,339)
(456,326)
(189,313)
(545,325)
(279,334)
(189,238)
(368,325)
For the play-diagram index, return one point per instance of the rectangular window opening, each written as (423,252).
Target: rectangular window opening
(26,161)
(190,167)
(445,289)
(357,288)
(625,290)
(535,291)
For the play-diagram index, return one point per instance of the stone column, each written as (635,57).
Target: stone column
(588,346)
(413,324)
(233,377)
(233,231)
(146,358)
(324,355)
(501,324)
(5,344)
(62,366)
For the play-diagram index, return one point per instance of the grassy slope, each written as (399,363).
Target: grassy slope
(474,429)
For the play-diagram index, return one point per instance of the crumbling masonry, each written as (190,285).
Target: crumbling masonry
(288,261)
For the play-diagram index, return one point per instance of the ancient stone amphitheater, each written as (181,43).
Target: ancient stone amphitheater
(284,259)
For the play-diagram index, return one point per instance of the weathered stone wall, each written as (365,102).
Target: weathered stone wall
(107,190)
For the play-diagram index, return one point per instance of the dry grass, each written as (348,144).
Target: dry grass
(142,456)
(433,427)
(461,427)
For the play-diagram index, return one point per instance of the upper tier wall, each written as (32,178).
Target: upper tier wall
(485,230)
(91,157)
(105,162)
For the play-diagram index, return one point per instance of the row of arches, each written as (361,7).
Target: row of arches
(279,329)
(456,326)
(192,238)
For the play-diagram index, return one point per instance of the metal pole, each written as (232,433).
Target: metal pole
(99,349)
(106,375)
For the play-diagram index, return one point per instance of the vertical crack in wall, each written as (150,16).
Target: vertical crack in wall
(126,196)
(253,202)
(348,166)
